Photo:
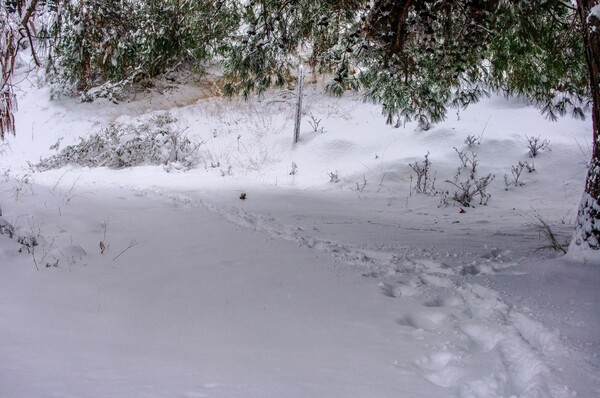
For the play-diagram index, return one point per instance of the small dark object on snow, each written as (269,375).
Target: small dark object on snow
(243,196)
(461,211)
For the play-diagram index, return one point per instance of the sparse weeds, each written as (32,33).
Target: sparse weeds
(553,240)
(360,186)
(23,187)
(334,177)
(211,159)
(516,171)
(536,144)
(34,239)
(4,148)
(468,161)
(469,189)
(337,110)
(257,156)
(226,172)
(444,198)
(104,245)
(70,194)
(132,243)
(466,190)
(315,124)
(472,141)
(425,182)
(293,169)
(261,124)
(259,118)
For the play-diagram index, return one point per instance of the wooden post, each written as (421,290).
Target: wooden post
(299,93)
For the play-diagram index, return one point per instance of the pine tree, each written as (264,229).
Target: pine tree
(99,41)
(264,51)
(587,232)
(94,42)
(417,58)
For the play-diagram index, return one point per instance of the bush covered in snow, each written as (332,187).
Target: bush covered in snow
(159,142)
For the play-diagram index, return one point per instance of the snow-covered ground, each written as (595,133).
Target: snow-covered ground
(314,286)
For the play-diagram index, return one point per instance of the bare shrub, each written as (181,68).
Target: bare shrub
(444,198)
(360,186)
(104,245)
(23,186)
(425,182)
(469,189)
(293,169)
(472,141)
(315,124)
(516,171)
(536,144)
(468,161)
(334,177)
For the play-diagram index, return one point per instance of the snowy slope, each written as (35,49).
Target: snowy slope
(308,287)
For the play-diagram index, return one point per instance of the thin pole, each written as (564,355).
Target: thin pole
(299,93)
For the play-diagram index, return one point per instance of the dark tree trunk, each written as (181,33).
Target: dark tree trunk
(587,232)
(12,36)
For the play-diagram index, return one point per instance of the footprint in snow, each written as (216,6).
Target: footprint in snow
(427,320)
(436,281)
(411,287)
(440,301)
(389,290)
(434,267)
(483,338)
(194,395)
(436,360)
(198,394)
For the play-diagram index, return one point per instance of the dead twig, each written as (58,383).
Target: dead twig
(133,243)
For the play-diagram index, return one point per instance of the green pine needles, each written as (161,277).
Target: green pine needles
(415,58)
(99,41)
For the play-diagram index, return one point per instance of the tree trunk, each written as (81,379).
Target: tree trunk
(587,231)
(86,62)
(9,48)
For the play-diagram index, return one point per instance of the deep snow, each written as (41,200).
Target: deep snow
(308,287)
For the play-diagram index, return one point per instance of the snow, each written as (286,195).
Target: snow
(307,287)
(595,11)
